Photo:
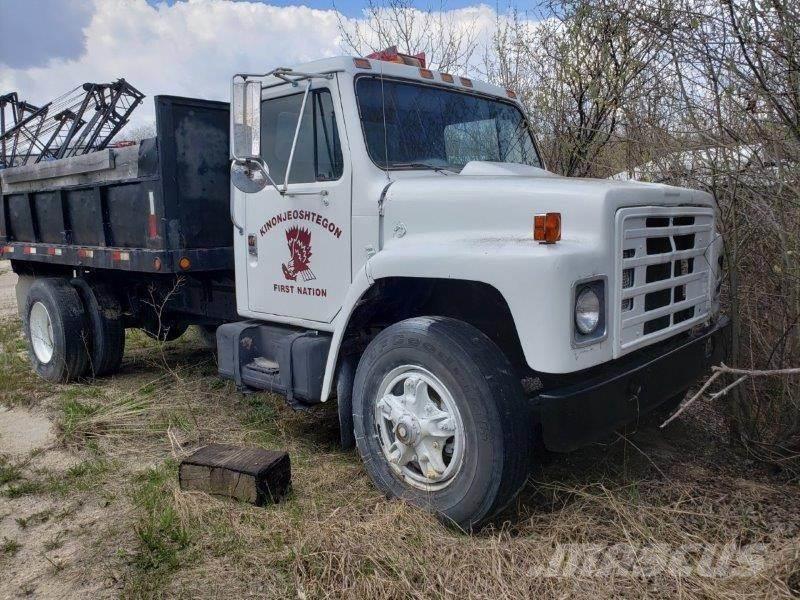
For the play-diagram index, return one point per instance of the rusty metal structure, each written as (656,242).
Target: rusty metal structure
(82,120)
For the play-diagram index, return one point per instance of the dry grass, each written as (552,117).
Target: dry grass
(337,536)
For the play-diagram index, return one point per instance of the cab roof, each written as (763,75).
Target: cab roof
(353,65)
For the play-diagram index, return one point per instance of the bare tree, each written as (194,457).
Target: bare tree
(576,71)
(447,42)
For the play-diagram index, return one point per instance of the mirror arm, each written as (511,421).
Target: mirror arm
(238,227)
(296,135)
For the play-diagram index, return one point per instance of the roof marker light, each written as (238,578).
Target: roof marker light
(446,77)
(426,73)
(391,54)
(362,63)
(465,81)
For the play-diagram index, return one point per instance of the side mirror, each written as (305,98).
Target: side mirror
(246,119)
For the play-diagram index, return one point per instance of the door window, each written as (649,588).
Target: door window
(318,155)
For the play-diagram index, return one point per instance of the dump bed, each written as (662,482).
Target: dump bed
(143,207)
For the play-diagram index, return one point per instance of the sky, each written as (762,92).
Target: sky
(181,47)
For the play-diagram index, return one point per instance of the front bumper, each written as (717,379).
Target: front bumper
(621,392)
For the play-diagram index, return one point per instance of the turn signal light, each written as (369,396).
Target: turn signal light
(547,228)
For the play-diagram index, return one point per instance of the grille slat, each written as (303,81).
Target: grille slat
(655,259)
(662,285)
(666,231)
(662,282)
(666,310)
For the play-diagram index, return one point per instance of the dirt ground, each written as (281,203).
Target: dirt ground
(90,507)
(8,300)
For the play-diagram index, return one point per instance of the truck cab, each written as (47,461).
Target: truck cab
(399,245)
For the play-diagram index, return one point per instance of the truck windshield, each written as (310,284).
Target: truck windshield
(436,128)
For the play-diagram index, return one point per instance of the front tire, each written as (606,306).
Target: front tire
(440,419)
(55,325)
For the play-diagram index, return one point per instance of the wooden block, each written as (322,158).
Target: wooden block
(251,475)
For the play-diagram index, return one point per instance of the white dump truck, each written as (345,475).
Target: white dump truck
(375,232)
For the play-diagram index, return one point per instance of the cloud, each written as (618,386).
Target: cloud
(34,31)
(188,48)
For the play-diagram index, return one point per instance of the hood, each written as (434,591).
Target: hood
(487,168)
(500,200)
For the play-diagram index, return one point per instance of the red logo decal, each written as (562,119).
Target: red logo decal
(299,241)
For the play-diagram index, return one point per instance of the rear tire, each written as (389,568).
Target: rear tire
(468,388)
(55,326)
(104,316)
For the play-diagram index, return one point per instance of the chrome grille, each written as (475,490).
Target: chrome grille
(662,274)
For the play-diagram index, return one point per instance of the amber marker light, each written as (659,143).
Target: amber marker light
(446,77)
(184,263)
(547,228)
(362,63)
(426,73)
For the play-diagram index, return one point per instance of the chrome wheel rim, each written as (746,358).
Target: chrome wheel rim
(419,427)
(41,331)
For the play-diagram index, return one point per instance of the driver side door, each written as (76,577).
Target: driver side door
(298,242)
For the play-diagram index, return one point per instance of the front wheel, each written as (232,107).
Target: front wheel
(440,419)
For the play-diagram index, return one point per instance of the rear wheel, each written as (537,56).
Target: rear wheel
(104,316)
(55,325)
(440,420)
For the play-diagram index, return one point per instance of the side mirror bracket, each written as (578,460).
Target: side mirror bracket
(249,171)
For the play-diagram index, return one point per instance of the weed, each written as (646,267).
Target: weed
(55,542)
(36,518)
(161,535)
(74,415)
(9,473)
(24,488)
(10,547)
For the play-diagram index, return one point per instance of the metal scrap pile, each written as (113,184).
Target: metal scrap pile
(83,120)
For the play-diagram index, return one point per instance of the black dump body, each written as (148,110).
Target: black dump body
(140,208)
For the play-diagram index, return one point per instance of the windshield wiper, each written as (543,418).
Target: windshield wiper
(422,165)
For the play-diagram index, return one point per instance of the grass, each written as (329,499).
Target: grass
(18,385)
(23,488)
(118,503)
(82,421)
(161,537)
(9,473)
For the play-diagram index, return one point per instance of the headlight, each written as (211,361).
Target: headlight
(589,318)
(587,311)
